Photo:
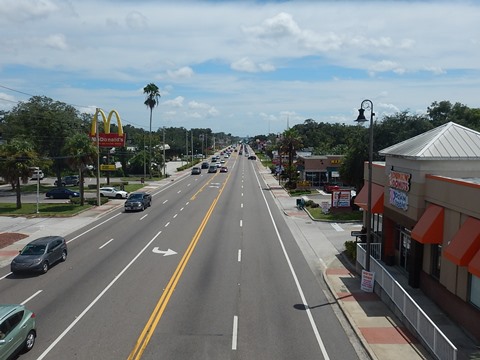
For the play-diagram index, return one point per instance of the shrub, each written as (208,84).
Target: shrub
(351,249)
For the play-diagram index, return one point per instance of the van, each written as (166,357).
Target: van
(37,174)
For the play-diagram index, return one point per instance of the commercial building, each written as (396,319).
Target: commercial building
(426,215)
(319,169)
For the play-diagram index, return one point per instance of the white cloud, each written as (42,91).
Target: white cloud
(247,65)
(177,102)
(182,73)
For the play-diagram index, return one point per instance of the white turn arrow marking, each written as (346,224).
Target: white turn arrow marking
(156,250)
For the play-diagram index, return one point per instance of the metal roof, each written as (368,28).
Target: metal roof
(447,142)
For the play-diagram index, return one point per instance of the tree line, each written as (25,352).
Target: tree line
(54,136)
(352,140)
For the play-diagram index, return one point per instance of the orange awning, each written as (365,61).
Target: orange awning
(361,199)
(465,244)
(429,229)
(474,265)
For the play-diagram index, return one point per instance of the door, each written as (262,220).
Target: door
(405,240)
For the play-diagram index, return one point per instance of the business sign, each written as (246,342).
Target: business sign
(368,281)
(107,167)
(398,199)
(399,180)
(107,139)
(341,199)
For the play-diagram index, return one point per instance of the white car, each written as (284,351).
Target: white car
(112,192)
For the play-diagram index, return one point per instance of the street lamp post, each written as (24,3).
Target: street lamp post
(368,105)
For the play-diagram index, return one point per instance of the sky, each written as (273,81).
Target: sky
(240,67)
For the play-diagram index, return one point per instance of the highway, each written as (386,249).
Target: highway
(210,271)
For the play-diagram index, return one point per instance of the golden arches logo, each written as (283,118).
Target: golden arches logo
(107,139)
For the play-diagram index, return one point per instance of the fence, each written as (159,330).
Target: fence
(432,336)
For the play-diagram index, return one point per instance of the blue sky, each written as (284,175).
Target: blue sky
(241,67)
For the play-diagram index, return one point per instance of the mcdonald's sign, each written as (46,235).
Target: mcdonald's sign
(106,139)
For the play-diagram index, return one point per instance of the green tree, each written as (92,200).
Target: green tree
(47,124)
(290,142)
(153,94)
(18,156)
(80,152)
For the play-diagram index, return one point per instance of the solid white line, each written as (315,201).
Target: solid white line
(234,333)
(241,223)
(239,257)
(109,241)
(90,229)
(31,297)
(295,278)
(99,296)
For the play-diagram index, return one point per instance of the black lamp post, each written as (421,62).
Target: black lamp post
(368,105)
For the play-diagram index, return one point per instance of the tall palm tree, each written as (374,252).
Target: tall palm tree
(80,152)
(153,95)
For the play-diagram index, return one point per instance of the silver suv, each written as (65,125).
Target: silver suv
(69,180)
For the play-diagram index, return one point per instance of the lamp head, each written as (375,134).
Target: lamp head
(361,116)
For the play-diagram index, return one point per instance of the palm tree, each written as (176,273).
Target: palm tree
(18,158)
(290,142)
(80,152)
(153,95)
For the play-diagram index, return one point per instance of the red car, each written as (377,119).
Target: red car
(223,169)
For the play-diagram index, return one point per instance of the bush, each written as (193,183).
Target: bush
(351,249)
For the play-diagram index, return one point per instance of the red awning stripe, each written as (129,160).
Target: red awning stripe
(465,244)
(429,229)
(361,199)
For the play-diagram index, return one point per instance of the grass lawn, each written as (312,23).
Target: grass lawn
(45,210)
(318,214)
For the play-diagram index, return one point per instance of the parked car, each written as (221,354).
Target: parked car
(69,180)
(252,157)
(62,193)
(40,254)
(18,330)
(223,169)
(37,175)
(196,171)
(138,201)
(212,169)
(113,192)
(329,188)
(205,165)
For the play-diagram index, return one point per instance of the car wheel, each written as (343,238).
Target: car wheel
(118,196)
(64,255)
(45,267)
(29,341)
(102,195)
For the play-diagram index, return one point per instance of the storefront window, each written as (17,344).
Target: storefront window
(436,260)
(475,290)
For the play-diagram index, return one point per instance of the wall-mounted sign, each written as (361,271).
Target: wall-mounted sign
(399,180)
(398,199)
(336,161)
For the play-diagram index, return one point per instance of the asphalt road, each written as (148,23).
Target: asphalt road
(210,271)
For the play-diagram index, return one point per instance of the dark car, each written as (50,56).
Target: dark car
(205,165)
(18,330)
(196,171)
(69,180)
(40,254)
(252,157)
(212,169)
(138,201)
(62,193)
(223,169)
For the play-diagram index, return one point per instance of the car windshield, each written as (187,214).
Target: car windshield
(33,250)
(135,196)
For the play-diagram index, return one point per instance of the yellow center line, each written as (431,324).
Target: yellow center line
(157,313)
